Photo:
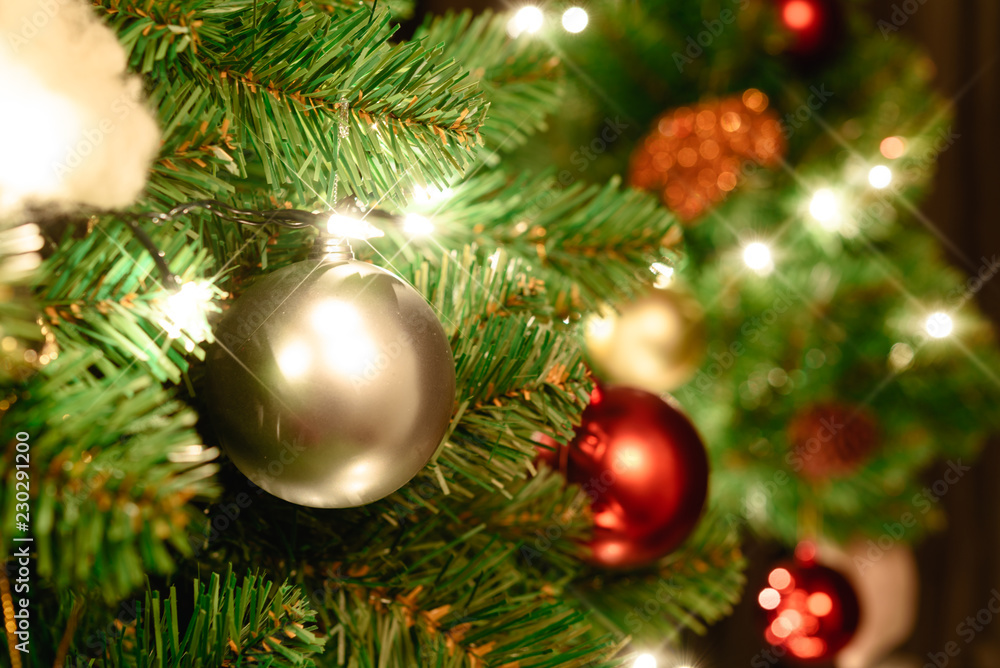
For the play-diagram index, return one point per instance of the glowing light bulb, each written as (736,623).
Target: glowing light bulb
(184,311)
(799,15)
(346,227)
(893,147)
(430,194)
(939,325)
(294,359)
(664,274)
(417,226)
(757,256)
(880,176)
(529,19)
(645,661)
(825,208)
(575,19)
(901,356)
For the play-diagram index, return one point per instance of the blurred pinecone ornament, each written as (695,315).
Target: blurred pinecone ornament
(831,440)
(695,156)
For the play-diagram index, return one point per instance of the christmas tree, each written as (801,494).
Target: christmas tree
(596,206)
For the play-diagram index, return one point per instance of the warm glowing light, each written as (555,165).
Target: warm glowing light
(645,661)
(939,325)
(184,311)
(793,618)
(799,15)
(430,194)
(825,208)
(805,647)
(780,629)
(600,329)
(575,19)
(757,256)
(780,578)
(418,226)
(529,19)
(630,458)
(347,346)
(294,359)
(769,599)
(346,227)
(880,176)
(805,551)
(901,356)
(664,274)
(893,147)
(820,604)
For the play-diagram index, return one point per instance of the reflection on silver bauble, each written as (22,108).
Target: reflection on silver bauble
(332,383)
(655,343)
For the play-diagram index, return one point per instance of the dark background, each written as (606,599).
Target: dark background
(960,565)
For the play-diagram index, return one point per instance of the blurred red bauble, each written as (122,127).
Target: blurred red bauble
(830,440)
(812,611)
(645,469)
(816,27)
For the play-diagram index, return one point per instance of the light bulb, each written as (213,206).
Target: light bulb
(645,661)
(664,274)
(939,325)
(757,256)
(799,15)
(184,311)
(430,194)
(893,147)
(880,176)
(825,208)
(346,227)
(529,19)
(575,19)
(417,226)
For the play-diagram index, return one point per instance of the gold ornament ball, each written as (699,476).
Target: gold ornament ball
(655,343)
(332,383)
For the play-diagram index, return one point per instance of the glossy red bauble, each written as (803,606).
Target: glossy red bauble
(645,469)
(812,611)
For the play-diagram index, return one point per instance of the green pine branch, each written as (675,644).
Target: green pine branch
(521,78)
(248,622)
(586,243)
(114,464)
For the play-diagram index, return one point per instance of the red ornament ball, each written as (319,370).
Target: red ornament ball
(815,26)
(812,611)
(646,471)
(832,440)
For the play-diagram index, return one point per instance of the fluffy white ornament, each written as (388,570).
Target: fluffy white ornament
(887,584)
(73,129)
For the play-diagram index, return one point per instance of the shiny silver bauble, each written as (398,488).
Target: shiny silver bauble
(332,383)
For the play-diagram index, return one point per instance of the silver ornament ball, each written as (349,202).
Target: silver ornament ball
(331,383)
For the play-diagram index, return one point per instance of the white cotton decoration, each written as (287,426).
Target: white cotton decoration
(74,130)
